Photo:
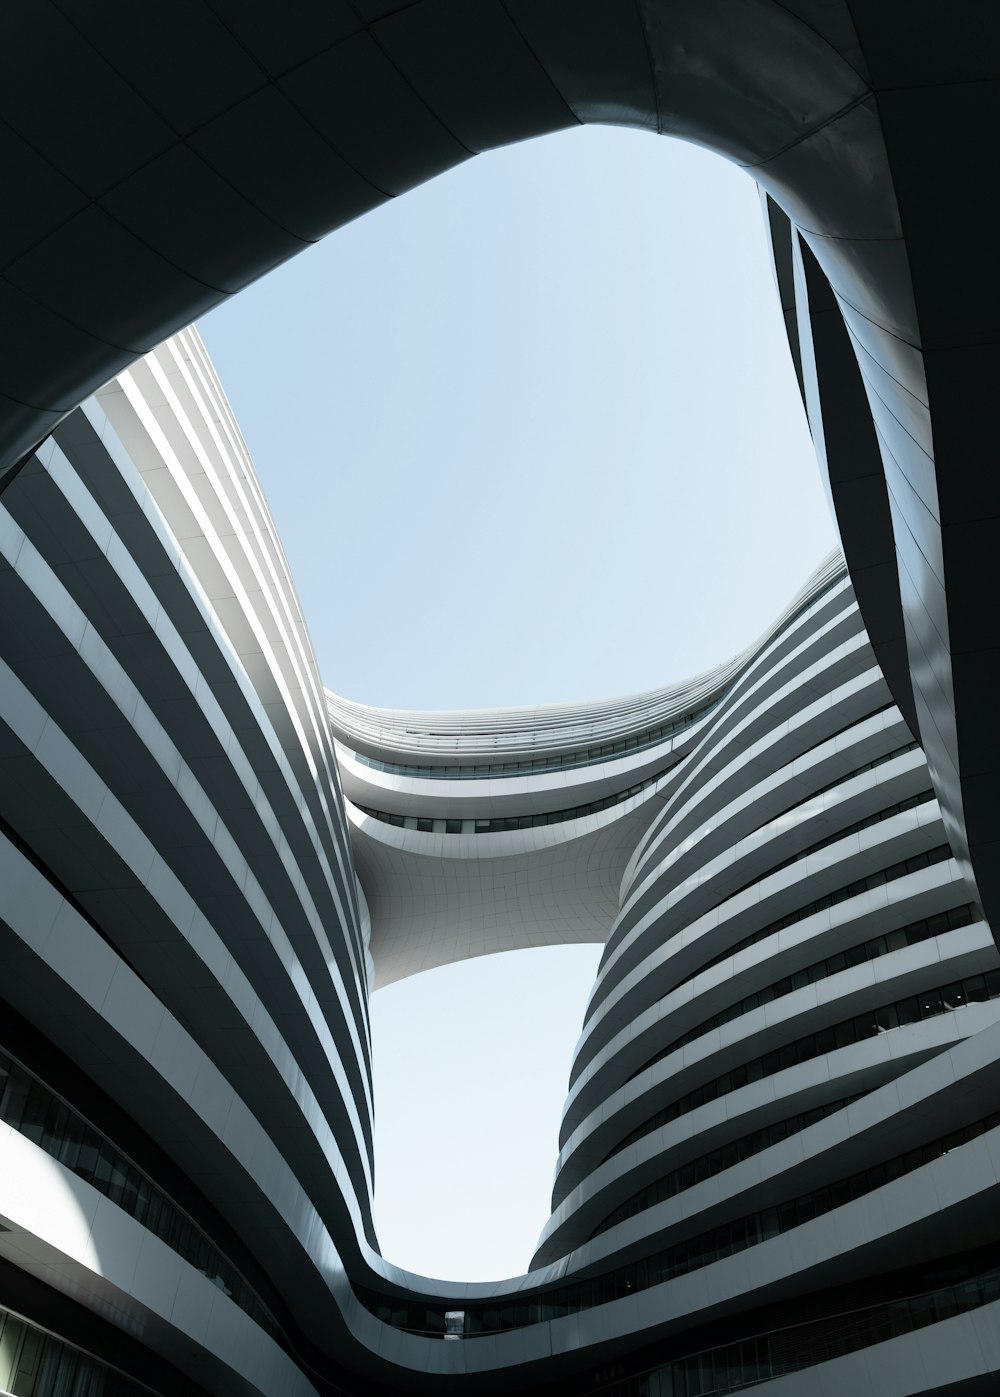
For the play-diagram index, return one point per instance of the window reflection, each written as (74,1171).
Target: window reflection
(31,1108)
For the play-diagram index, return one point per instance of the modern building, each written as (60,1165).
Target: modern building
(780,1150)
(781,1140)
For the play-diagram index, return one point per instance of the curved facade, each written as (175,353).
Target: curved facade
(779,1157)
(780,1143)
(229,136)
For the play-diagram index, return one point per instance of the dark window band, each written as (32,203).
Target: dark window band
(748,1231)
(36,1112)
(708,1165)
(974,989)
(782,1351)
(898,807)
(32,1360)
(910,935)
(915,864)
(504,823)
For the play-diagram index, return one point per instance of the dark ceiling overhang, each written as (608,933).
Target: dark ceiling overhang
(156,159)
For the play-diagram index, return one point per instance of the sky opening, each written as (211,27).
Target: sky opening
(530,434)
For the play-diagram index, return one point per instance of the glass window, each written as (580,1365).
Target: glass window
(154,1212)
(54,1129)
(140,1205)
(931,1004)
(172,1229)
(104,1168)
(806,1209)
(787,1216)
(34,1107)
(953,996)
(866,1026)
(69,1146)
(908,1011)
(858,1185)
(844,1034)
(886,1018)
(825,1041)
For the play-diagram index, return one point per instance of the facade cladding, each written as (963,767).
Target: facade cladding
(780,1143)
(780,1153)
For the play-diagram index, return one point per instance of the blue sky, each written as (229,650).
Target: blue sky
(529,433)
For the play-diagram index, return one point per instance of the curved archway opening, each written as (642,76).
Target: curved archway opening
(531,434)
